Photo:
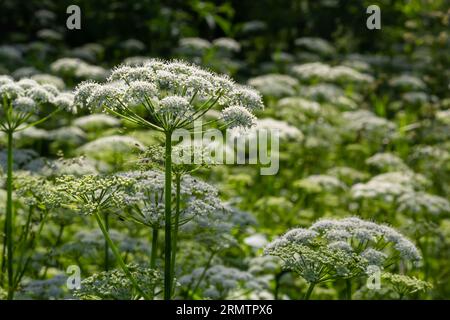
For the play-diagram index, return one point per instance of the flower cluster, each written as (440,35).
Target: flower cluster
(332,249)
(114,285)
(91,193)
(275,85)
(339,74)
(146,198)
(21,100)
(386,162)
(77,68)
(220,282)
(173,93)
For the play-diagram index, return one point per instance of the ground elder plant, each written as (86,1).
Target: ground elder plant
(172,95)
(331,250)
(113,145)
(24,105)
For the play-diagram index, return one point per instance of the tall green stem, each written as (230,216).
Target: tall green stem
(309,291)
(106,263)
(176,222)
(154,248)
(168,218)
(118,256)
(9,217)
(348,291)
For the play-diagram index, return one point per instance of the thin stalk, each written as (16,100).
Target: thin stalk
(176,224)
(118,256)
(200,279)
(348,291)
(154,248)
(9,217)
(106,262)
(55,245)
(3,266)
(309,291)
(168,217)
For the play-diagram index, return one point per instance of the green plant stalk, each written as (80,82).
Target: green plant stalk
(200,279)
(9,217)
(154,248)
(168,218)
(3,265)
(106,263)
(309,291)
(118,256)
(175,227)
(348,289)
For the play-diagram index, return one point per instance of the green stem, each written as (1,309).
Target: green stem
(55,245)
(348,291)
(175,227)
(9,217)
(118,256)
(200,279)
(154,248)
(309,291)
(168,217)
(106,262)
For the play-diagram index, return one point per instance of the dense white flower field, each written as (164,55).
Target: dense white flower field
(91,178)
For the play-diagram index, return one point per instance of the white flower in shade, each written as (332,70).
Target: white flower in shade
(51,88)
(238,117)
(228,44)
(136,61)
(311,71)
(196,45)
(384,190)
(87,71)
(275,85)
(75,67)
(386,162)
(70,135)
(419,202)
(66,65)
(26,95)
(257,240)
(299,104)
(285,130)
(323,91)
(133,45)
(97,121)
(404,178)
(407,82)
(49,79)
(366,121)
(316,45)
(26,83)
(320,183)
(40,95)
(443,117)
(11,90)
(416,97)
(343,74)
(65,101)
(4,79)
(24,104)
(117,144)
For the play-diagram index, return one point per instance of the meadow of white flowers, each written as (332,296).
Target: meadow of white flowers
(88,177)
